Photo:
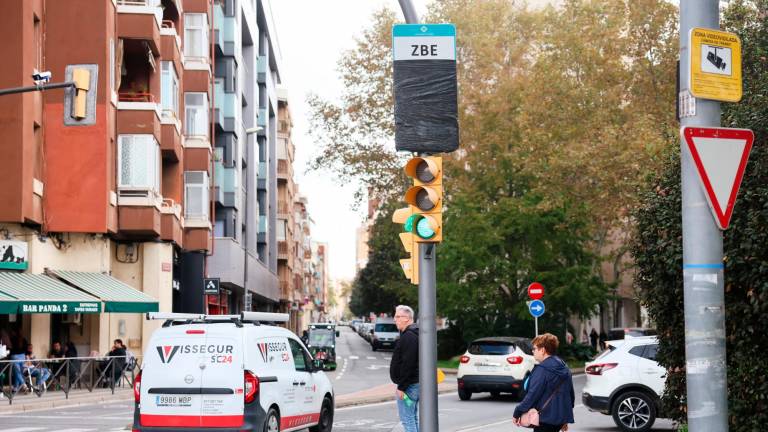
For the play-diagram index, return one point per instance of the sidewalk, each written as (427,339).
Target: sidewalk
(56,399)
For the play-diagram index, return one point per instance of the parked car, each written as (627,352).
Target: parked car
(626,382)
(229,372)
(365,331)
(385,334)
(496,365)
(617,333)
(355,324)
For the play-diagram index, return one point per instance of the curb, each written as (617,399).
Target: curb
(42,404)
(377,399)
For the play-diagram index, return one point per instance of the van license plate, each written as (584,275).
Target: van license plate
(173,401)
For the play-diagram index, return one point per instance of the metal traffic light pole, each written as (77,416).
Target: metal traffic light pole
(703,269)
(427,310)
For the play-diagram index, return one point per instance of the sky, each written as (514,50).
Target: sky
(312,36)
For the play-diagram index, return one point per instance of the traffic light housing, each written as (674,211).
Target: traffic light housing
(409,265)
(82,79)
(425,198)
(80,98)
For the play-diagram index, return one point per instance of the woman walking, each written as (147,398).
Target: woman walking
(550,388)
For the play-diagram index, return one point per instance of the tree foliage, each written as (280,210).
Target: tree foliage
(562,113)
(657,246)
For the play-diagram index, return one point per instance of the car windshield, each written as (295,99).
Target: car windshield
(321,337)
(491,348)
(386,328)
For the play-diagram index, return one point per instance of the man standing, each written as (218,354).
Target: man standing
(404,369)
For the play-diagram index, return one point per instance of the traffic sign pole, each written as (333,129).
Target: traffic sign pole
(703,270)
(427,310)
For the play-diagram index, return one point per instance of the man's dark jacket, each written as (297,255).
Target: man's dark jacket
(544,379)
(404,369)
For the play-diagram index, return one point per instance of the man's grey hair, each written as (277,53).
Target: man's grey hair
(406,310)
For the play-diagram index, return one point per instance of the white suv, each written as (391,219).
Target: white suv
(626,382)
(229,373)
(496,365)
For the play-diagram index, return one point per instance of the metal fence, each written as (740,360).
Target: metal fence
(66,374)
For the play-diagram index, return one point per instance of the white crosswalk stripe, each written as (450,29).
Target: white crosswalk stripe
(371,358)
(354,358)
(23,429)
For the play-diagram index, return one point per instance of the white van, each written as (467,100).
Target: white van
(229,373)
(384,334)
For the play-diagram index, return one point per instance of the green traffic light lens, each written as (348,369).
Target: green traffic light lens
(410,223)
(423,229)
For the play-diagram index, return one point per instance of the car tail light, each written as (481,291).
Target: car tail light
(251,386)
(320,355)
(464,359)
(137,388)
(514,360)
(195,331)
(598,369)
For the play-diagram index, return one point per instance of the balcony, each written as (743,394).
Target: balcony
(262,179)
(285,290)
(262,233)
(140,20)
(138,113)
(284,171)
(170,144)
(226,108)
(225,191)
(171,229)
(262,69)
(262,120)
(282,250)
(225,31)
(227,262)
(283,210)
(170,45)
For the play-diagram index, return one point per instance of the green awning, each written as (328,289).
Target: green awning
(116,295)
(35,293)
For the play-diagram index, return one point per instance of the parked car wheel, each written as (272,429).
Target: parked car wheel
(273,421)
(464,395)
(634,412)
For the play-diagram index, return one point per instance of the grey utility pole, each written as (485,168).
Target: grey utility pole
(427,310)
(703,268)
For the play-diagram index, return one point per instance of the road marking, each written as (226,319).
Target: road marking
(354,358)
(371,358)
(24,429)
(474,428)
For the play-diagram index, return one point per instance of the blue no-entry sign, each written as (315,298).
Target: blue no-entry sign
(536,308)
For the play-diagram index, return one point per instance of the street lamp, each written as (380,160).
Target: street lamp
(253,130)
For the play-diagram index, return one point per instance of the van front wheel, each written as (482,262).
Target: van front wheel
(273,421)
(325,424)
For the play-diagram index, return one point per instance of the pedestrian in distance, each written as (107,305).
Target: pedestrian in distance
(404,368)
(568,337)
(584,337)
(603,340)
(593,338)
(550,388)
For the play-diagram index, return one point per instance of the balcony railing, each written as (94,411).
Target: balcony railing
(136,97)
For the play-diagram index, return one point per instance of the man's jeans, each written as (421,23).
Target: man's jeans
(41,374)
(409,412)
(18,377)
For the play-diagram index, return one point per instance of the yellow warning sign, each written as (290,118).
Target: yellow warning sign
(715,65)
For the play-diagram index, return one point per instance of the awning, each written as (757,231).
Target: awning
(35,293)
(116,295)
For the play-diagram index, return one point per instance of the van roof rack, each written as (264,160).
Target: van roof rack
(255,318)
(264,317)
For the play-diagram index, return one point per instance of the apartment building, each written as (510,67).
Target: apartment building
(113,218)
(245,252)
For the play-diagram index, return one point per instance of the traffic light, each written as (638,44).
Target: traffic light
(410,265)
(81,97)
(82,80)
(425,198)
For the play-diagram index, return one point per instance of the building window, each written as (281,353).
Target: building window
(196,36)
(196,195)
(170,90)
(38,42)
(139,161)
(196,106)
(281,229)
(282,148)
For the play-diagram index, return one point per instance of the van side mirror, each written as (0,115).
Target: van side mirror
(371,331)
(338,333)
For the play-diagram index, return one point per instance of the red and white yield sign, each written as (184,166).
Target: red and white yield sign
(720,155)
(535,291)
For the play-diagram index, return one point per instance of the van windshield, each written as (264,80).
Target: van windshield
(386,328)
(321,337)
